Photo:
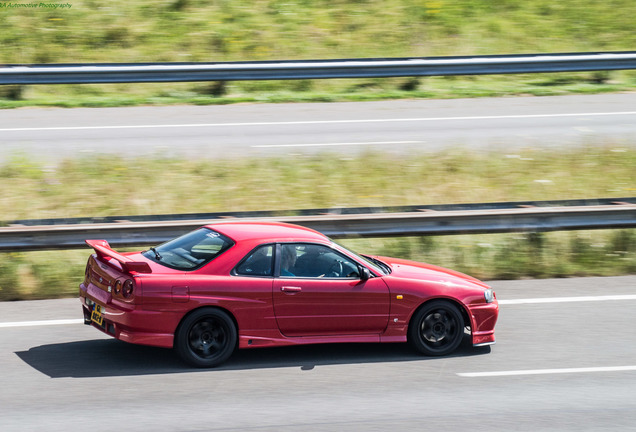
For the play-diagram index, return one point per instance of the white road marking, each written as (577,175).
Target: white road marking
(568,299)
(308,122)
(336,144)
(40,323)
(547,371)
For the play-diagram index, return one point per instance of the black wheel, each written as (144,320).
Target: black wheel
(206,338)
(436,329)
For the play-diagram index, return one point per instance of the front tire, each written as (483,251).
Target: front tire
(206,338)
(437,328)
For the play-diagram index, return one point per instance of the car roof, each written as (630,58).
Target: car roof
(266,231)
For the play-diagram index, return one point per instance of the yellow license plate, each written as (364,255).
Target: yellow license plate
(97,316)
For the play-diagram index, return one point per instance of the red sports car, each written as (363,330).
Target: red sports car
(250,284)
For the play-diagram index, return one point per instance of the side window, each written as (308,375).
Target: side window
(259,262)
(315,261)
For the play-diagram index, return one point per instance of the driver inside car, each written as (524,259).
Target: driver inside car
(288,260)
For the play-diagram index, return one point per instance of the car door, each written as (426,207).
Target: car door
(318,291)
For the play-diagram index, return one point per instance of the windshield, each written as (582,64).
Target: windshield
(190,251)
(375,264)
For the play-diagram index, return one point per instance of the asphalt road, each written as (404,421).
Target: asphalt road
(565,360)
(504,124)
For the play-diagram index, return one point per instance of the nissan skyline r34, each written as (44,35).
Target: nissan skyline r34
(239,285)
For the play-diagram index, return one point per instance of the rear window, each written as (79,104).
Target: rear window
(190,251)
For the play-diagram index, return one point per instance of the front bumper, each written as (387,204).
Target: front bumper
(483,319)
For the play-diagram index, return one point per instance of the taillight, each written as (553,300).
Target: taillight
(127,289)
(117,287)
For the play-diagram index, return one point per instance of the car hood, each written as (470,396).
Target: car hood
(401,268)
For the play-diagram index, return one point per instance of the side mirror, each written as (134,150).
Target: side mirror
(365,274)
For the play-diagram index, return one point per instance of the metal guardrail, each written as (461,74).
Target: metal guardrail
(325,211)
(314,69)
(618,213)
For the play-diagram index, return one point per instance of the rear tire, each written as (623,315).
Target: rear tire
(206,338)
(437,328)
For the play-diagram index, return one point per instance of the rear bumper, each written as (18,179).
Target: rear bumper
(126,322)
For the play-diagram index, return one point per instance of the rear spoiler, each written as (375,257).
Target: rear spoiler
(103,250)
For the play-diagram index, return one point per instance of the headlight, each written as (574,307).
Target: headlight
(489,295)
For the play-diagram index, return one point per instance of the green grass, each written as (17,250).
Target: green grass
(68,96)
(198,31)
(81,187)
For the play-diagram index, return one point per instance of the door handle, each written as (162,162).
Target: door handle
(291,289)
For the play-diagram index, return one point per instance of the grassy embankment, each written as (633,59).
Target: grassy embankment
(201,31)
(81,188)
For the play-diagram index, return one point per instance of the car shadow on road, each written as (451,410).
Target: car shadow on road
(110,357)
